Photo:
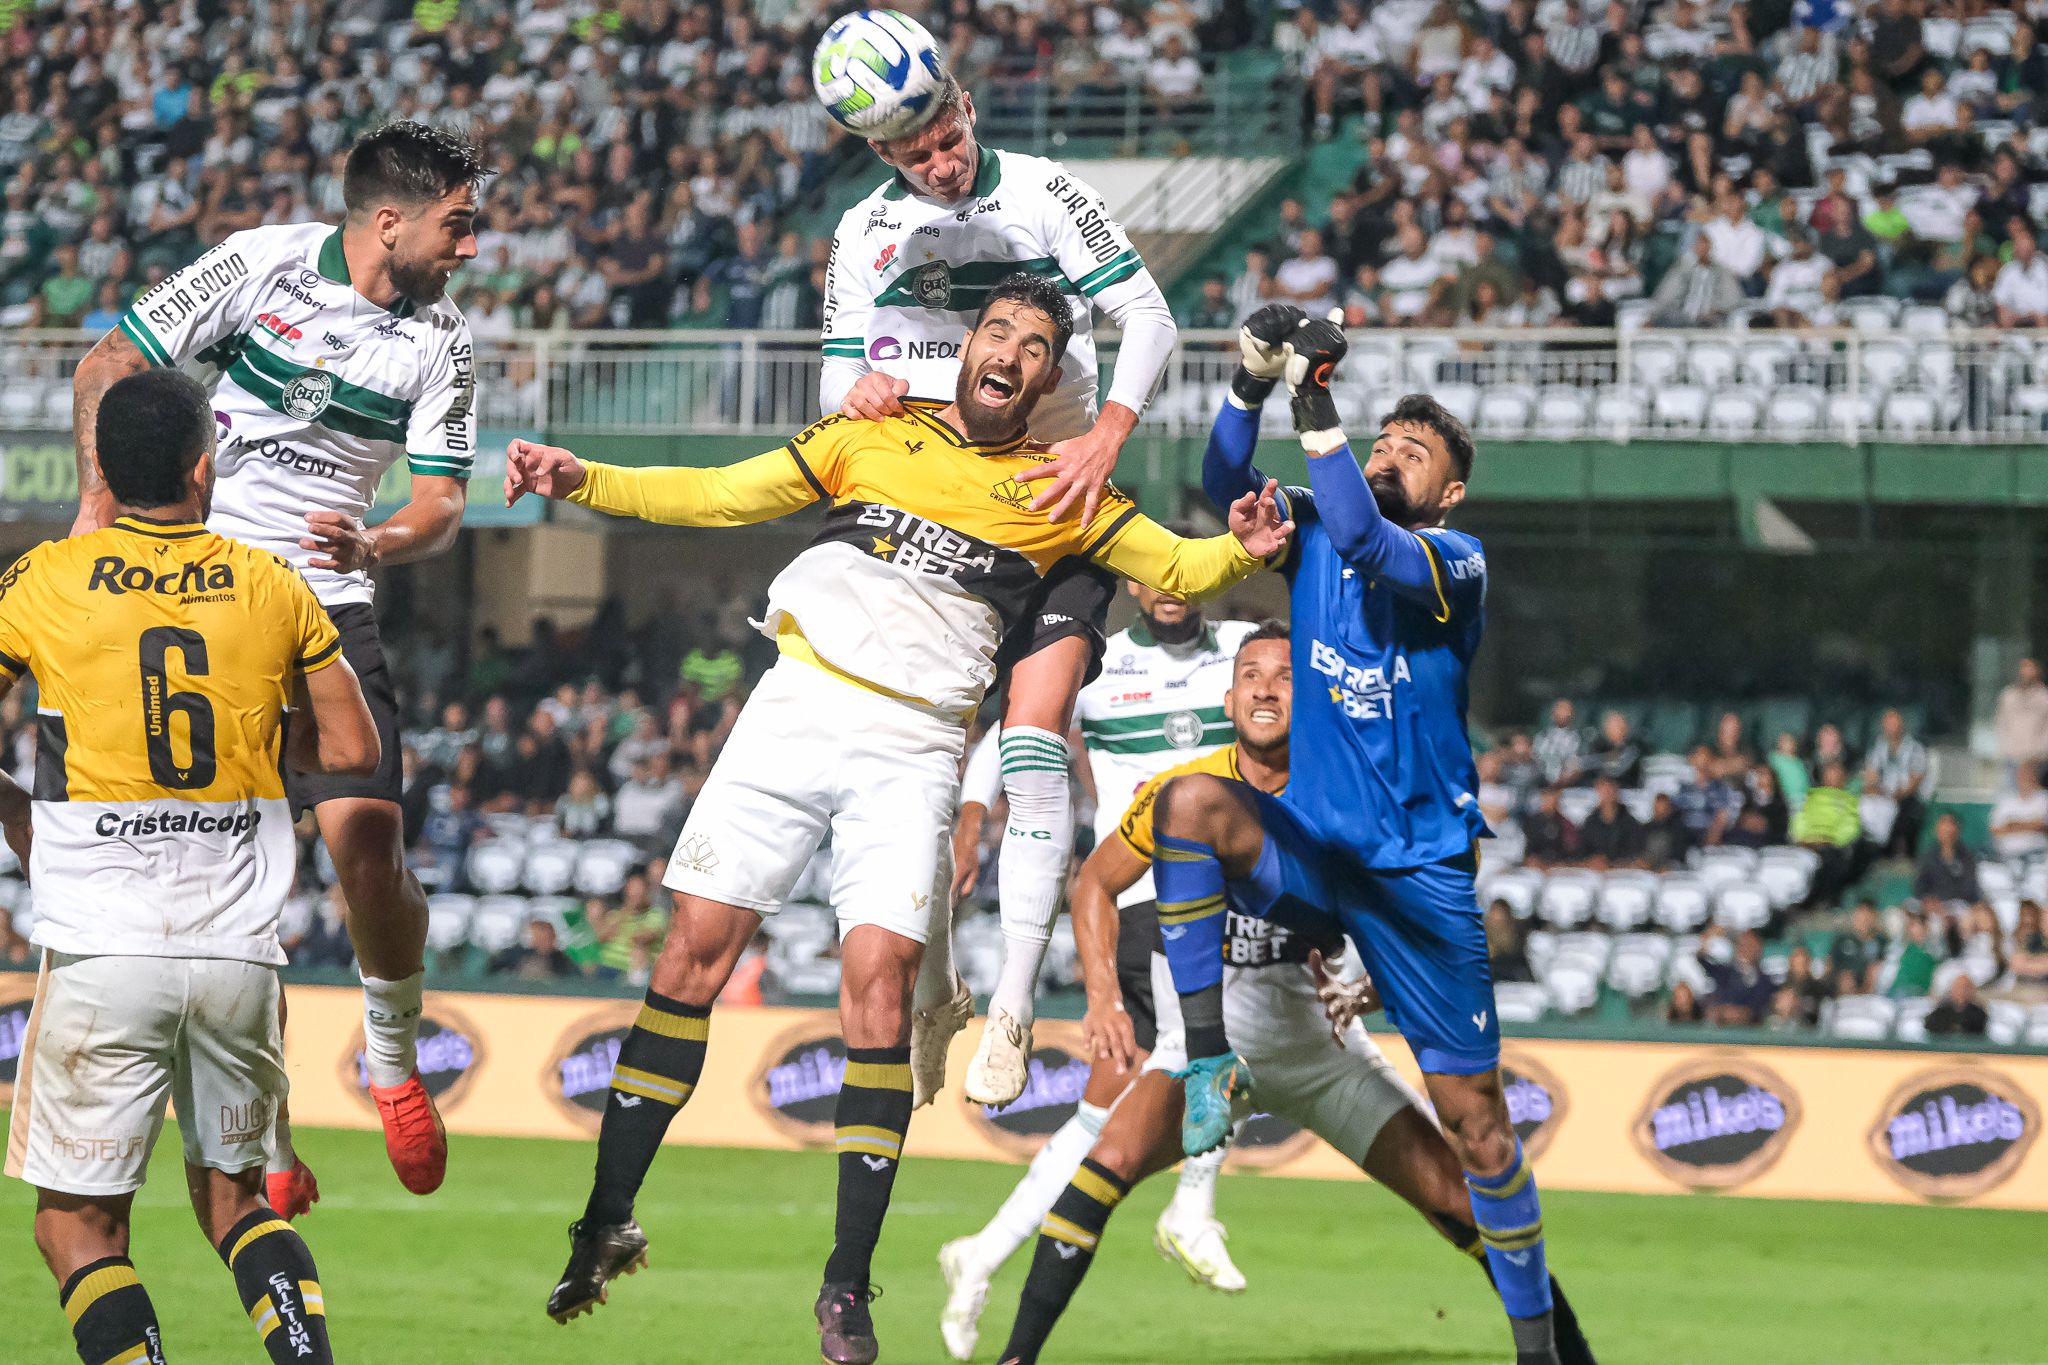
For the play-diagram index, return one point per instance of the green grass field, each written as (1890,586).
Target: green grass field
(1340,1274)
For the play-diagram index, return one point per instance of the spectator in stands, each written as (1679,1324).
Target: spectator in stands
(1684,1006)
(1858,952)
(1948,870)
(1960,1013)
(1980,943)
(1973,300)
(2021,722)
(1506,951)
(539,958)
(1520,771)
(1614,754)
(1914,977)
(1827,748)
(1698,292)
(1666,838)
(650,807)
(1739,245)
(1897,767)
(714,672)
(1850,249)
(1346,57)
(441,746)
(633,267)
(1764,820)
(1215,312)
(629,932)
(1253,288)
(1310,278)
(1742,991)
(1811,989)
(1558,747)
(326,942)
(2022,286)
(1831,825)
(451,829)
(1414,279)
(1732,755)
(1790,770)
(540,767)
(1798,292)
(1706,804)
(1173,80)
(585,809)
(2029,960)
(1610,836)
(2019,820)
(1551,840)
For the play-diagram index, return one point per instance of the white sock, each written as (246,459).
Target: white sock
(1037,840)
(1195,1199)
(1017,1221)
(391,1028)
(282,1157)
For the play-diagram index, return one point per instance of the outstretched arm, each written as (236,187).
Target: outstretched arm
(1227,472)
(1140,548)
(107,364)
(759,489)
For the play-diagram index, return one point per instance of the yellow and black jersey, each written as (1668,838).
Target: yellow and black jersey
(930,551)
(163,655)
(1247,942)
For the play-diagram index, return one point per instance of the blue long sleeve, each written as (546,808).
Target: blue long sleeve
(1227,472)
(1362,536)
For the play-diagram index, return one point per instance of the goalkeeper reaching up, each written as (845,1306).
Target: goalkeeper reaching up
(911,265)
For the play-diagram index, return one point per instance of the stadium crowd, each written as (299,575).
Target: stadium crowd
(1542,162)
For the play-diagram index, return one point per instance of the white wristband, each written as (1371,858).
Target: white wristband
(1322,442)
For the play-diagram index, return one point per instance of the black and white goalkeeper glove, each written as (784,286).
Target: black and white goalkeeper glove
(1312,353)
(1260,341)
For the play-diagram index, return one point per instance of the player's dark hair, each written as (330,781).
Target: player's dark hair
(1272,628)
(1034,291)
(151,430)
(1423,411)
(408,163)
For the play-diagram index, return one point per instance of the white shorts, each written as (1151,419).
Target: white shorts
(1065,413)
(811,754)
(1344,1095)
(111,1040)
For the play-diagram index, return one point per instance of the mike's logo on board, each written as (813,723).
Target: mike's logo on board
(1717,1122)
(1954,1132)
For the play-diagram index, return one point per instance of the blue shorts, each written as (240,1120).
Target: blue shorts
(1419,930)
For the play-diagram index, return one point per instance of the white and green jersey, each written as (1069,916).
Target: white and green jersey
(909,274)
(1154,707)
(317,391)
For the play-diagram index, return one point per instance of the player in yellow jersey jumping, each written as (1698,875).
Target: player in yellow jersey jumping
(165,656)
(888,624)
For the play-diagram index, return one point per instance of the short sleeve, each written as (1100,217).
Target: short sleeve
(440,437)
(318,642)
(1135,829)
(820,451)
(16,653)
(204,303)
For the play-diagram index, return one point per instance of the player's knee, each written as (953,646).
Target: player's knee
(1115,1153)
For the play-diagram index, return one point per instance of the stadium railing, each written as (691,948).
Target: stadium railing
(1845,385)
(1237,109)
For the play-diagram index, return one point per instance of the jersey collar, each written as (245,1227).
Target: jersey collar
(159,529)
(334,267)
(987,176)
(953,438)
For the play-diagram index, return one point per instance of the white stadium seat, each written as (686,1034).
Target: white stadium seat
(1742,905)
(1710,364)
(1561,412)
(1786,881)
(1634,972)
(1517,886)
(448,919)
(1504,411)
(1573,985)
(1733,413)
(1679,407)
(1879,814)
(602,866)
(1626,900)
(500,922)
(1681,902)
(494,866)
(1520,1002)
(1576,803)
(1795,411)
(1569,895)
(550,868)
(1911,411)
(508,825)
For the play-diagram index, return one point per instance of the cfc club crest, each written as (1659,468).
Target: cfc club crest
(1183,729)
(933,285)
(306,397)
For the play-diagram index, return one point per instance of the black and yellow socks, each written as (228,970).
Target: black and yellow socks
(658,1067)
(112,1319)
(873,1112)
(1066,1246)
(280,1289)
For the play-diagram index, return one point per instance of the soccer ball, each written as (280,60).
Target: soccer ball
(877,73)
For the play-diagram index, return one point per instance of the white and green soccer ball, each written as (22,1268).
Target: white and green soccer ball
(877,73)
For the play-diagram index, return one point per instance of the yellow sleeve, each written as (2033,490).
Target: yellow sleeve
(16,652)
(1135,829)
(1140,548)
(759,489)
(319,642)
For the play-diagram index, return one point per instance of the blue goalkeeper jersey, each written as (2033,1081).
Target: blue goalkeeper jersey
(1385,624)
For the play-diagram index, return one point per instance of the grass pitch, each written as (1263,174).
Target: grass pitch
(1340,1274)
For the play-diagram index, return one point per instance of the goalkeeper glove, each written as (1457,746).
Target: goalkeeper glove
(1260,341)
(1312,353)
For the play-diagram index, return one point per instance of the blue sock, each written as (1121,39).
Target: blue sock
(1189,883)
(1510,1219)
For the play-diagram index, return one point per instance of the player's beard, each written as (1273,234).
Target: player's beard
(419,280)
(985,425)
(1174,632)
(1392,499)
